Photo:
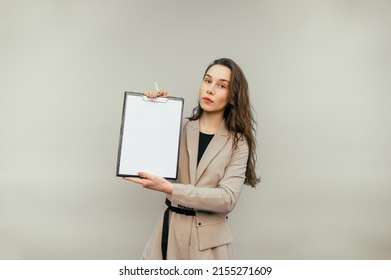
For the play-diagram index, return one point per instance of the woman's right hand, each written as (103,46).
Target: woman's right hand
(155,93)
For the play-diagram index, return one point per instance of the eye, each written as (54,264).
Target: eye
(222,86)
(207,80)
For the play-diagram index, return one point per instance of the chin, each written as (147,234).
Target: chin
(203,107)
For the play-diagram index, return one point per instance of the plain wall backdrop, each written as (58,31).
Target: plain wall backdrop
(319,76)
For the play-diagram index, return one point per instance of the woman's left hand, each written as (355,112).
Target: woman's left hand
(152,182)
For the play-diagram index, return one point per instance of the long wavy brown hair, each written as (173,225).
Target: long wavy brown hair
(238,115)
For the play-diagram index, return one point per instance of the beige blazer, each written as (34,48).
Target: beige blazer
(212,188)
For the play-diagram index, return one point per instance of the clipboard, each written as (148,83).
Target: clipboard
(150,135)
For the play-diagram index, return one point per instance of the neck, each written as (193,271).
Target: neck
(210,123)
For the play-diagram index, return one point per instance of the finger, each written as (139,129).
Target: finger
(152,93)
(134,180)
(163,93)
(145,175)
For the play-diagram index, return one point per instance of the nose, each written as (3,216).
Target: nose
(210,90)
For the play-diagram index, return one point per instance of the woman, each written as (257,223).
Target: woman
(217,157)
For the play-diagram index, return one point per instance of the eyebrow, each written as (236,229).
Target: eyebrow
(223,80)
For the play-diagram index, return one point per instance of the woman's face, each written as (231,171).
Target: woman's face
(214,90)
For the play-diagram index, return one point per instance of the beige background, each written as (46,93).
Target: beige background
(319,77)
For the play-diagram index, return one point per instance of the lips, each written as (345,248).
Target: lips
(207,100)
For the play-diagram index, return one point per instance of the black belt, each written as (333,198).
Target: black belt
(181,211)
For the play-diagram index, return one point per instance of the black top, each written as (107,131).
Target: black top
(204,140)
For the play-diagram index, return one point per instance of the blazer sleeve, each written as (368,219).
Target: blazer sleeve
(221,198)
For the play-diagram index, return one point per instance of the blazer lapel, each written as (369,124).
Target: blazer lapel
(193,132)
(215,145)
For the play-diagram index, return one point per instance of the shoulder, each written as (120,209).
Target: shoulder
(241,145)
(186,123)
